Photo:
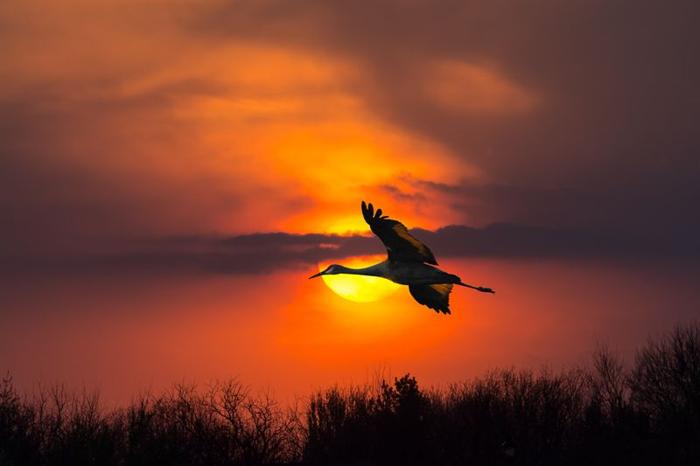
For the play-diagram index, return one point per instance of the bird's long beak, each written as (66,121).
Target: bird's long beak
(316,275)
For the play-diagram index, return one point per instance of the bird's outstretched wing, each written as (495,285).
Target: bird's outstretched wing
(434,296)
(400,245)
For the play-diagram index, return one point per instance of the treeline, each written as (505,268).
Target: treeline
(648,413)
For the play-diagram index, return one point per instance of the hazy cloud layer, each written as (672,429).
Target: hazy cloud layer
(592,110)
(269,252)
(135,119)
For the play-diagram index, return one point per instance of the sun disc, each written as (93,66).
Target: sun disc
(359,288)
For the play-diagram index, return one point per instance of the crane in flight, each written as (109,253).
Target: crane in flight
(409,262)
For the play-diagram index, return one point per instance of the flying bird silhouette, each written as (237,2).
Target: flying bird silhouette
(409,262)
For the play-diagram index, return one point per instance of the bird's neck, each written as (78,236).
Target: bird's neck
(373,270)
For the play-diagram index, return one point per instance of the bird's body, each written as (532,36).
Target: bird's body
(404,273)
(409,262)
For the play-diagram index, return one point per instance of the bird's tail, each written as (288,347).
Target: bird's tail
(483,289)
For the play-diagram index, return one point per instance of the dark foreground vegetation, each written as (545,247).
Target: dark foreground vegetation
(648,413)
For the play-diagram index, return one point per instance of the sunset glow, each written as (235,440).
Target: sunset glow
(172,173)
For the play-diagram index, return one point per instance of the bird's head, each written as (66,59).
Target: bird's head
(332,269)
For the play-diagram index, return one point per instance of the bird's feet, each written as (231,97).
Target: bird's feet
(483,289)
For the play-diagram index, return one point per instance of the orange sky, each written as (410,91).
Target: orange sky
(132,127)
(292,335)
(196,128)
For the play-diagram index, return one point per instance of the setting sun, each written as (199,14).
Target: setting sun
(359,288)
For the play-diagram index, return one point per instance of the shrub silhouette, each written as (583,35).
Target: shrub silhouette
(665,385)
(222,425)
(605,414)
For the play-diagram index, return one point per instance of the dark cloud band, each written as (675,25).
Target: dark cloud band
(267,252)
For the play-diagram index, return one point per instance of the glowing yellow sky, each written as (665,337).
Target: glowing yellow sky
(197,129)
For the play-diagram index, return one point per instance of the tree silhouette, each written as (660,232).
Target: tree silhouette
(648,414)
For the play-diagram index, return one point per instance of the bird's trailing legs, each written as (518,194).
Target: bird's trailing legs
(483,289)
